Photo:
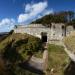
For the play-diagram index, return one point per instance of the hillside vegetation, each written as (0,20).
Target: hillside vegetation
(15,49)
(67,17)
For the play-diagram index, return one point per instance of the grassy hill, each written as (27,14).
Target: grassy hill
(70,42)
(17,48)
(18,39)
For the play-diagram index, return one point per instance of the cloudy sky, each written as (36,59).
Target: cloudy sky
(24,11)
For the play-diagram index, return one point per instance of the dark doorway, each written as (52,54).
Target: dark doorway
(44,37)
(63,30)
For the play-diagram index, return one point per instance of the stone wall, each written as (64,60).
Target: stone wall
(54,33)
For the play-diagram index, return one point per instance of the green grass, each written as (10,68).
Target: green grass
(23,43)
(18,38)
(70,42)
(58,60)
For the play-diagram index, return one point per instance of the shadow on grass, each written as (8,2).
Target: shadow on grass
(27,66)
(2,37)
(70,70)
(11,54)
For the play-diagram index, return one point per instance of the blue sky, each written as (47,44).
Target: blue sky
(24,11)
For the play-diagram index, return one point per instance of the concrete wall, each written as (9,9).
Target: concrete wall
(53,33)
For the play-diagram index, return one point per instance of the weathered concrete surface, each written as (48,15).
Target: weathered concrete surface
(56,42)
(54,33)
(36,63)
(40,63)
(45,60)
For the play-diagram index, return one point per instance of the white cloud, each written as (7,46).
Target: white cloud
(32,11)
(47,12)
(6,24)
(27,8)
(23,17)
(7,21)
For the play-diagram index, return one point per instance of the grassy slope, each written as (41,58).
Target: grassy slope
(57,60)
(57,57)
(16,37)
(70,42)
(9,39)
(21,43)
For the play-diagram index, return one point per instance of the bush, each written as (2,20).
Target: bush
(11,32)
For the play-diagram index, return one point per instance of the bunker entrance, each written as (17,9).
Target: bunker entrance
(63,31)
(44,36)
